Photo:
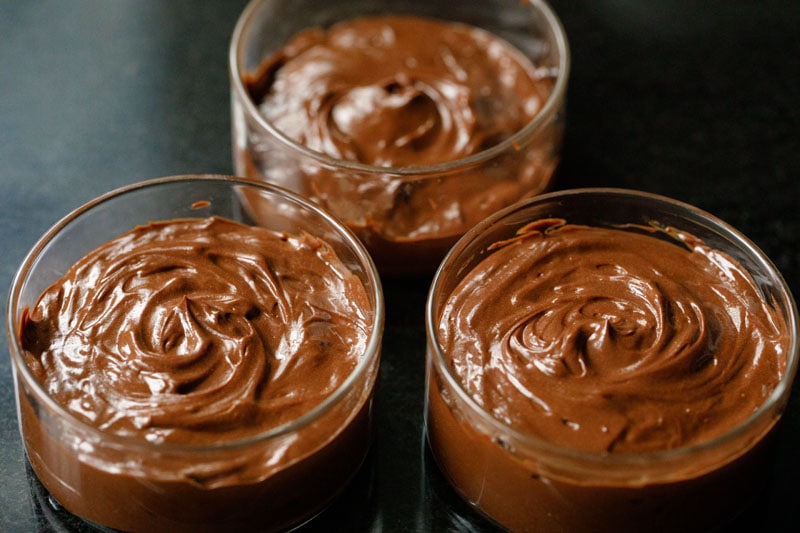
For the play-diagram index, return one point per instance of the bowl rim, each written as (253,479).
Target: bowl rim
(551,107)
(602,461)
(369,360)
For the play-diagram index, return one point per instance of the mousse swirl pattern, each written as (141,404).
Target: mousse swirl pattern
(197,330)
(399,90)
(611,340)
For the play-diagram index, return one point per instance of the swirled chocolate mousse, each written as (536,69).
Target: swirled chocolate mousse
(183,342)
(401,91)
(614,342)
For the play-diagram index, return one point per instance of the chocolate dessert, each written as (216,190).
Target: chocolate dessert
(194,364)
(625,366)
(413,96)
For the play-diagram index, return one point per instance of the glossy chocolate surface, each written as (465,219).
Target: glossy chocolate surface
(613,340)
(614,371)
(406,92)
(184,343)
(693,100)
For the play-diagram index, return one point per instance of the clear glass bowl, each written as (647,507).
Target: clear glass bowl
(291,472)
(407,216)
(524,482)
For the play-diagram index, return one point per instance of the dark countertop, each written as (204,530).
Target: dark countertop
(699,101)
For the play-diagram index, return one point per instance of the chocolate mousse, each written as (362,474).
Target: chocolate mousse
(172,351)
(402,92)
(598,346)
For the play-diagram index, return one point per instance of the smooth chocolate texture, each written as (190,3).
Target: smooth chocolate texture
(401,91)
(201,334)
(614,342)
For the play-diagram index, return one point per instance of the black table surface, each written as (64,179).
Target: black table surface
(699,101)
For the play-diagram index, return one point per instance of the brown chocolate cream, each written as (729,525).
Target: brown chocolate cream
(612,342)
(398,90)
(190,335)
(403,91)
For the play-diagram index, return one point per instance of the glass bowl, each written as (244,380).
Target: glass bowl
(407,214)
(267,479)
(526,477)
